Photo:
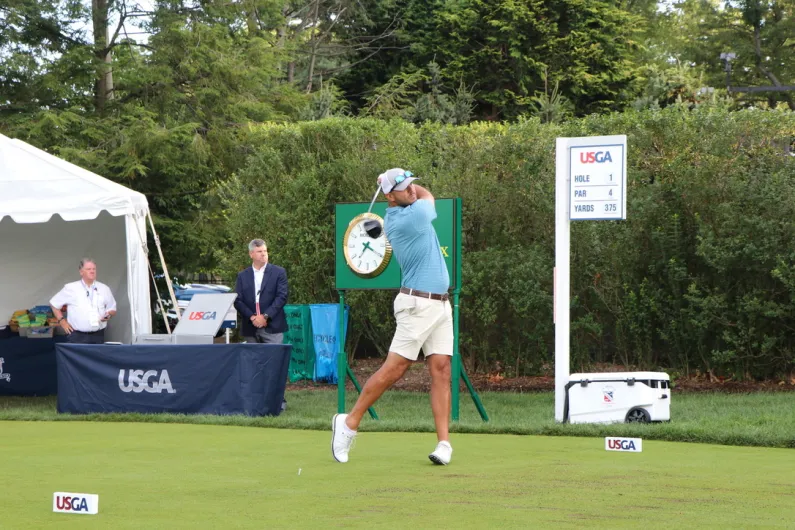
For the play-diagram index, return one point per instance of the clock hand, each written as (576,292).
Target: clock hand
(368,247)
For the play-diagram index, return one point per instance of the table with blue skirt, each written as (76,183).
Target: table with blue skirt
(221,379)
(27,366)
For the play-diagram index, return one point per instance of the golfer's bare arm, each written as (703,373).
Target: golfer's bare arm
(423,194)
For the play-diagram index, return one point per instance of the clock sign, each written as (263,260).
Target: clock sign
(367,257)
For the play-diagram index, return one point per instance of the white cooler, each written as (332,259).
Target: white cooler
(618,397)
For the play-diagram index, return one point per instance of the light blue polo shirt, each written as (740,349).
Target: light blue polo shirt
(416,246)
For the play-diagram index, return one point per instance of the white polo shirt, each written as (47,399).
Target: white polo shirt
(85,307)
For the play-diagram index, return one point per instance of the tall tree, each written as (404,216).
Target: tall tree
(504,49)
(170,121)
(770,27)
(759,33)
(51,60)
(45,60)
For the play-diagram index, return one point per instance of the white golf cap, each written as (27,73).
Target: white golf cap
(396,179)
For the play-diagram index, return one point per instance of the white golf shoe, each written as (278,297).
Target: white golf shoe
(442,454)
(341,440)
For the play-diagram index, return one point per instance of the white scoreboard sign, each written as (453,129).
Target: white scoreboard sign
(590,184)
(598,178)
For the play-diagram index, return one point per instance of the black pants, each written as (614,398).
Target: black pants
(78,337)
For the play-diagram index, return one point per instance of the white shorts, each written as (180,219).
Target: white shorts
(422,323)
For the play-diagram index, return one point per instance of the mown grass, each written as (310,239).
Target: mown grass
(758,419)
(201,476)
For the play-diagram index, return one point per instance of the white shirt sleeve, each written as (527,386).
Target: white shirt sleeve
(110,302)
(62,298)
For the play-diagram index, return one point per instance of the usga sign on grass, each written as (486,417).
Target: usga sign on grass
(84,503)
(626,445)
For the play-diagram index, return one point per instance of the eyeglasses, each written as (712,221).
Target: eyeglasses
(404,176)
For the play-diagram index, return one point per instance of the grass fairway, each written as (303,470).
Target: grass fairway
(760,419)
(207,476)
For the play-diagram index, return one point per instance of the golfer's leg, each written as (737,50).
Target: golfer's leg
(439,367)
(393,369)
(438,348)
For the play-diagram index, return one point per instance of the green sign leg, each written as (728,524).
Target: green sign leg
(343,370)
(455,378)
(342,358)
(371,410)
(475,396)
(458,371)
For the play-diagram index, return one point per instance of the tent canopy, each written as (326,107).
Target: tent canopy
(34,186)
(52,214)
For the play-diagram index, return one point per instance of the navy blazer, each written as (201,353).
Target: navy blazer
(272,297)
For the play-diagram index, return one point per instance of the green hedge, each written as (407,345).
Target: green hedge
(701,275)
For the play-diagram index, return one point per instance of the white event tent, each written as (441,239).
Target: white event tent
(52,214)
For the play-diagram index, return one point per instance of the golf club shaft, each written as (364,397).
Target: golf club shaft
(374,198)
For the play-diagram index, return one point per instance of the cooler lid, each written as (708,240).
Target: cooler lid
(620,376)
(205,314)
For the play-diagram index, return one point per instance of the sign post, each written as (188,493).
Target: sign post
(590,184)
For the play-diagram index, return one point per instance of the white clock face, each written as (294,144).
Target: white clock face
(365,255)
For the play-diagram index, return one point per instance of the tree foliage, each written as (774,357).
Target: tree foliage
(505,49)
(699,276)
(227,112)
(759,33)
(182,103)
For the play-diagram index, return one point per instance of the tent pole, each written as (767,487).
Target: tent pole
(165,269)
(152,275)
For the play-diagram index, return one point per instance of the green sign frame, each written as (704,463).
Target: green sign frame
(448,212)
(448,225)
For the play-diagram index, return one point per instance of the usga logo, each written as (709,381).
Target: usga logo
(151,381)
(7,377)
(631,445)
(82,503)
(599,157)
(201,315)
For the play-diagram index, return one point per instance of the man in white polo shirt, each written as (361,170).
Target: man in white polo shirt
(89,306)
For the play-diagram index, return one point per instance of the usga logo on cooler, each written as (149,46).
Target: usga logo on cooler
(150,381)
(81,503)
(627,445)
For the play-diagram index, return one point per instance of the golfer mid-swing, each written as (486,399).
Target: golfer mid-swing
(422,311)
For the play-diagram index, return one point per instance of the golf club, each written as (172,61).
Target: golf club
(373,226)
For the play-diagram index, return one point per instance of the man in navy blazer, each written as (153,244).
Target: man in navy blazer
(261,294)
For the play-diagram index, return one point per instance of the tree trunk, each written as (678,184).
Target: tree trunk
(282,41)
(252,18)
(315,43)
(103,86)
